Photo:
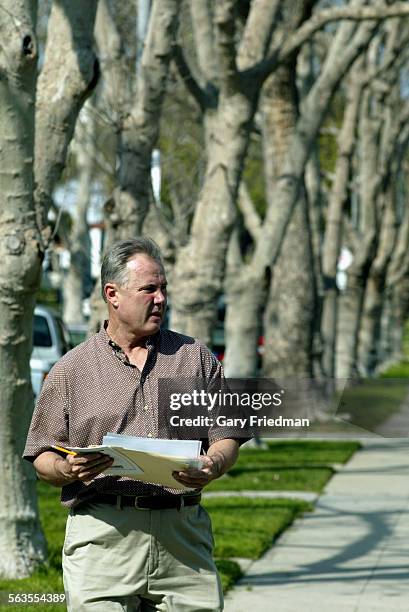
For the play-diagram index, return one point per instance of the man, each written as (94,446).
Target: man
(128,545)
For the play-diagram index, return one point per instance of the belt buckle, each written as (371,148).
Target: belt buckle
(137,507)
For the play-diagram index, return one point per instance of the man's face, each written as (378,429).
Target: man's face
(140,305)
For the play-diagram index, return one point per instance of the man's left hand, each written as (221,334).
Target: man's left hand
(196,478)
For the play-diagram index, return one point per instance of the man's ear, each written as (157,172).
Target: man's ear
(111,294)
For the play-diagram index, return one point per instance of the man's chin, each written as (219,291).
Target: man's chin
(154,324)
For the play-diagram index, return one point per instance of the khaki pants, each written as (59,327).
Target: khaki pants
(140,560)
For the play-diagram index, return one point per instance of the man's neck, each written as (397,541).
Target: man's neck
(127,340)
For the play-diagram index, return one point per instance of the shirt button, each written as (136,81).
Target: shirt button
(146,407)
(150,435)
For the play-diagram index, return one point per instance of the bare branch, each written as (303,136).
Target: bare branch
(204,39)
(234,258)
(260,26)
(343,52)
(339,189)
(187,77)
(353,13)
(319,20)
(118,82)
(252,220)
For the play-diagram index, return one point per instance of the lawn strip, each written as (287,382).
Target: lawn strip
(273,479)
(229,572)
(246,527)
(48,578)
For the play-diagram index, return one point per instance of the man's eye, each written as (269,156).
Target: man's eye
(153,288)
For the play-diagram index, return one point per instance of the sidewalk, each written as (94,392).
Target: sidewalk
(351,554)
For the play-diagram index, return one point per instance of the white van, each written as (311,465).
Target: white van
(51,341)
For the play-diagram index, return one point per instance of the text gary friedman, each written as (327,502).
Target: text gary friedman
(251,421)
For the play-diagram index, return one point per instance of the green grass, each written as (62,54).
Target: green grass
(280,479)
(398,370)
(300,453)
(246,527)
(371,402)
(47,579)
(229,572)
(303,465)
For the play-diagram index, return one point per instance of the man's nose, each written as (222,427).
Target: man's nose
(160,297)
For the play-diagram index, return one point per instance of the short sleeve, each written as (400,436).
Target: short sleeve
(216,381)
(49,424)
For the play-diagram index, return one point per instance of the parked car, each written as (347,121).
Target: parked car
(51,341)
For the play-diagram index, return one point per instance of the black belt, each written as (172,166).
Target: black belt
(147,502)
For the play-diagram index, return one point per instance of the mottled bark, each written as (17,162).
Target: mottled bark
(289,316)
(117,84)
(22,544)
(193,303)
(288,322)
(68,76)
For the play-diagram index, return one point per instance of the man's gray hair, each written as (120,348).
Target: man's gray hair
(113,268)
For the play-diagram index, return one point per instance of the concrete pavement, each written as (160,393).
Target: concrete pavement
(351,554)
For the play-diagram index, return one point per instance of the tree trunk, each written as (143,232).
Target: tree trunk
(333,232)
(400,311)
(22,544)
(68,76)
(397,291)
(199,269)
(79,240)
(66,79)
(352,300)
(289,317)
(349,317)
(370,330)
(243,319)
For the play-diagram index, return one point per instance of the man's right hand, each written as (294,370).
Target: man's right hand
(84,467)
(59,471)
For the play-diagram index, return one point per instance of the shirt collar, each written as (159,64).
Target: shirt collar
(151,343)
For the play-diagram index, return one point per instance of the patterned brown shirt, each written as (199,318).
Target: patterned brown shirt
(94,389)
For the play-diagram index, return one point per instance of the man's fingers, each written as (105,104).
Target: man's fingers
(189,480)
(85,467)
(89,460)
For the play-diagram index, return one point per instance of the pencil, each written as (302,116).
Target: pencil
(64,450)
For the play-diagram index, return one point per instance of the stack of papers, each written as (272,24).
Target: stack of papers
(147,459)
